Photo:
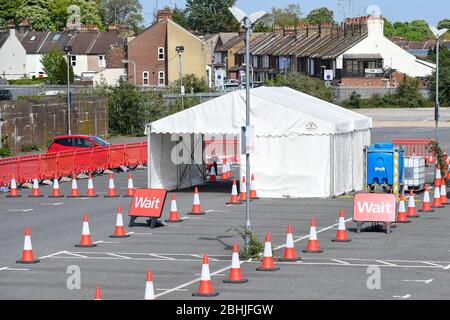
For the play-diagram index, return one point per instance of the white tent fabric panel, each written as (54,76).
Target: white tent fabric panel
(361,139)
(343,164)
(282,170)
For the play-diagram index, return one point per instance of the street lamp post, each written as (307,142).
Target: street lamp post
(438,34)
(134,68)
(179,50)
(247,21)
(252,76)
(68,50)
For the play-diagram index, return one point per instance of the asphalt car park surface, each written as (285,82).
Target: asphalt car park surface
(414,260)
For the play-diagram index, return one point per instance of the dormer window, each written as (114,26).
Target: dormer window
(33,38)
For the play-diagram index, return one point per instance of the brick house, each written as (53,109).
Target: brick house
(153,52)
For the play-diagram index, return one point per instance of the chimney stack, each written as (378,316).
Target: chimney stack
(164,14)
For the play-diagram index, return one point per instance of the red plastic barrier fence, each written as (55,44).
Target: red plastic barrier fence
(417,147)
(65,163)
(29,168)
(8,169)
(221,149)
(48,165)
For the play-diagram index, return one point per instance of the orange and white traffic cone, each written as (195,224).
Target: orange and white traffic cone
(35,192)
(267,260)
(55,192)
(98,293)
(112,193)
(243,189)
(224,175)
(119,231)
(74,191)
(234,199)
(86,235)
(212,175)
(444,199)
(173,214)
(27,253)
(412,213)
(289,251)
(13,192)
(90,193)
(341,235)
(229,171)
(401,215)
(130,188)
(196,208)
(437,196)
(438,176)
(426,205)
(205,289)
(149,290)
(235,275)
(313,243)
(253,194)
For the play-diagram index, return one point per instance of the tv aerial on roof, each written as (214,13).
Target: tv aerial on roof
(373,11)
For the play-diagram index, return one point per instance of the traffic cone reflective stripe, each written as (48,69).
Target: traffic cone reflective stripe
(90,189)
(173,214)
(341,235)
(229,172)
(112,193)
(289,251)
(426,205)
(234,199)
(253,194)
(402,216)
(412,213)
(27,253)
(212,175)
(224,175)
(205,288)
(13,192)
(85,234)
(235,275)
(130,188)
(196,208)
(437,196)
(36,192)
(444,199)
(313,243)
(267,260)
(98,294)
(243,188)
(119,231)
(149,290)
(74,191)
(55,192)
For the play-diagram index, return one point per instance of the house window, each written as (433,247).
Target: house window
(33,38)
(161,53)
(73,61)
(56,37)
(265,61)
(102,61)
(161,78)
(145,78)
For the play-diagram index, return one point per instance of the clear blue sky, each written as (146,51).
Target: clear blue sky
(431,11)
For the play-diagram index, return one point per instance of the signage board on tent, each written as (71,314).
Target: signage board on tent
(147,203)
(369,207)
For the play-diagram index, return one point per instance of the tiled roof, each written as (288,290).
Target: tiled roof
(3,37)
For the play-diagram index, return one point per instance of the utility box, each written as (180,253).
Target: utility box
(380,164)
(414,173)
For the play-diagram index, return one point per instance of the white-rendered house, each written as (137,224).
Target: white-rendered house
(12,56)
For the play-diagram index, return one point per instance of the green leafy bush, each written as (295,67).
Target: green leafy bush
(256,247)
(30,147)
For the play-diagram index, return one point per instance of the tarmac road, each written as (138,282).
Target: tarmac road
(414,260)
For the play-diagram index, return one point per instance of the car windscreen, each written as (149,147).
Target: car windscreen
(100,141)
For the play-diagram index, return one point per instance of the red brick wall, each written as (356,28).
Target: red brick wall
(362,82)
(143,50)
(114,58)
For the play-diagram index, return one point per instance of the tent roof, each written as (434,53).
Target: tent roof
(275,111)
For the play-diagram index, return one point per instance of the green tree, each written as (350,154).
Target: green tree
(444,76)
(8,9)
(317,16)
(122,12)
(90,12)
(55,66)
(191,83)
(58,11)
(291,15)
(445,23)
(312,86)
(408,93)
(37,14)
(180,16)
(211,16)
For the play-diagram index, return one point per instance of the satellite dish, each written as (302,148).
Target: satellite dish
(373,11)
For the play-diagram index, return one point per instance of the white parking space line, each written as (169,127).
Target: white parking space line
(75,254)
(52,204)
(201,257)
(170,289)
(420,281)
(160,256)
(20,210)
(432,264)
(402,297)
(447,267)
(386,263)
(51,255)
(118,256)
(340,261)
(12,269)
(208,211)
(217,275)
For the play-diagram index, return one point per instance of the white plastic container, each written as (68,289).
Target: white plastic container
(414,173)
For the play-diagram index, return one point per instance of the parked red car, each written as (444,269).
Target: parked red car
(75,142)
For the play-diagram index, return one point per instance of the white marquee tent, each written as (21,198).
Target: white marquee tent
(304,147)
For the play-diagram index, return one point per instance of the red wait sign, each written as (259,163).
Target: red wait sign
(374,207)
(148,203)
